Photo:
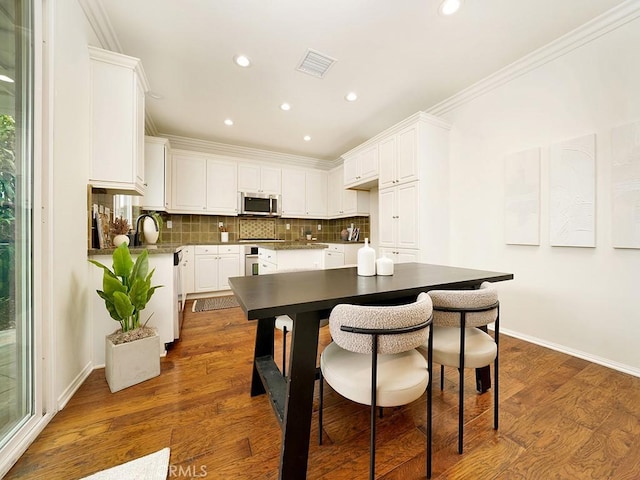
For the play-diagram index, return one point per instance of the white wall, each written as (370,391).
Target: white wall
(71,359)
(581,300)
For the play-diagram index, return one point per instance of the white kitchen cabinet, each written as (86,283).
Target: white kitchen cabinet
(342,202)
(188,269)
(304,193)
(333,259)
(117,89)
(204,184)
(259,178)
(361,168)
(157,169)
(271,261)
(214,264)
(340,254)
(399,209)
(399,157)
(400,255)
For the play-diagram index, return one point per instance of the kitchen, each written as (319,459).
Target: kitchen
(524,108)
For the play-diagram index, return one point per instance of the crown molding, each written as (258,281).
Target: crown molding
(611,20)
(99,21)
(247,153)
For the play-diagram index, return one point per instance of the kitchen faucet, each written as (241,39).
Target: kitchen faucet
(137,239)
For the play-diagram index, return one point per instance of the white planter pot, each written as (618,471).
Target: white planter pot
(149,229)
(127,364)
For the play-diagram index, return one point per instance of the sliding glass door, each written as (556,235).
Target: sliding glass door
(17,405)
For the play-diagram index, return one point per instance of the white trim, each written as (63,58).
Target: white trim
(99,21)
(620,367)
(246,153)
(74,385)
(601,25)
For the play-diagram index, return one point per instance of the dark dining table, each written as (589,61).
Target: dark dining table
(307,297)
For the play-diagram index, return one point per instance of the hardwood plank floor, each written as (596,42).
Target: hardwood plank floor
(560,417)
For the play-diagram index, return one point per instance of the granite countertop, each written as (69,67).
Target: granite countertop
(293,245)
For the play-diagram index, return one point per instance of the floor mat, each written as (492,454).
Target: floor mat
(214,303)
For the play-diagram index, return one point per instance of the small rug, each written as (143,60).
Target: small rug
(154,466)
(214,303)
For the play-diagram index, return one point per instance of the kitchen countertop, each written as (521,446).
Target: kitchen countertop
(164,248)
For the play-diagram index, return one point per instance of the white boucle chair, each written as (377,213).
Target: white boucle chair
(457,314)
(373,359)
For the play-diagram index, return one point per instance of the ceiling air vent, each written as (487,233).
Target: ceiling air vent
(315,63)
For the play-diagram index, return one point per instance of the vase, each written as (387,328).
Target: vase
(119,240)
(150,230)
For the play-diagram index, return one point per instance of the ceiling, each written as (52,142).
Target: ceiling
(398,56)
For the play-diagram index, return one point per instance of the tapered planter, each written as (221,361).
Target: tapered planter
(128,364)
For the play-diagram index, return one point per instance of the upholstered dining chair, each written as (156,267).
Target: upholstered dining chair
(373,360)
(459,341)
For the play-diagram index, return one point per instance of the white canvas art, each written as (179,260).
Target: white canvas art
(625,188)
(522,198)
(572,195)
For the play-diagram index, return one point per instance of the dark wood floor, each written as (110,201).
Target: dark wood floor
(560,418)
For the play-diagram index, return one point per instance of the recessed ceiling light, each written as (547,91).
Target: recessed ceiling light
(242,61)
(351,97)
(4,78)
(285,106)
(228,122)
(307,138)
(449,7)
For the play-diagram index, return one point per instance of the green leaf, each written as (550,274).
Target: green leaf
(122,262)
(123,305)
(139,293)
(141,266)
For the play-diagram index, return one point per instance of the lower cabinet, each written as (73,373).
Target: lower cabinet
(401,255)
(341,254)
(271,261)
(214,264)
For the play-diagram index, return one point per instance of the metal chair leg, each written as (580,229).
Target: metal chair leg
(320,406)
(284,351)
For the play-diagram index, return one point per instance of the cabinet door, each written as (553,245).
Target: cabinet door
(155,159)
(228,266)
(407,216)
(189,183)
(206,276)
(333,259)
(138,160)
(369,162)
(399,255)
(293,193)
(271,180)
(351,170)
(388,221)
(407,158)
(335,189)
(387,164)
(222,187)
(316,194)
(188,271)
(248,178)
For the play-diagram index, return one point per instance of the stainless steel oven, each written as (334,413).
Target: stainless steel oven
(250,260)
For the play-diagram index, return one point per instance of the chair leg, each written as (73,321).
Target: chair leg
(429,398)
(441,377)
(284,351)
(461,383)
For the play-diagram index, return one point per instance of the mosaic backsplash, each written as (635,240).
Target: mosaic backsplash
(257,228)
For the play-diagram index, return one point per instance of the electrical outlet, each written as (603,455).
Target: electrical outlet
(169,224)
(288,226)
(319,227)
(221,224)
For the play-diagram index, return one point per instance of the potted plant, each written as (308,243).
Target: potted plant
(119,229)
(132,353)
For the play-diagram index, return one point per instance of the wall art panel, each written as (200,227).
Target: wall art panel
(572,193)
(625,188)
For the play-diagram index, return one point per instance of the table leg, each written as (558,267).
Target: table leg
(263,347)
(296,427)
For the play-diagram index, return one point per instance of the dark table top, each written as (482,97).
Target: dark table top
(263,296)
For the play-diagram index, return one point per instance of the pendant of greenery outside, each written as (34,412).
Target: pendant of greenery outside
(127,289)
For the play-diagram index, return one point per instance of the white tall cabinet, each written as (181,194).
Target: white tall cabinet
(118,88)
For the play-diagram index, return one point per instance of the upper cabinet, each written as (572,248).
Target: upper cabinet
(157,171)
(259,179)
(205,184)
(399,158)
(361,168)
(117,94)
(342,202)
(304,193)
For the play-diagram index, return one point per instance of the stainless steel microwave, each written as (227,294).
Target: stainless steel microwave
(264,204)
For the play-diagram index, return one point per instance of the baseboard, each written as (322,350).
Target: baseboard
(74,386)
(605,362)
